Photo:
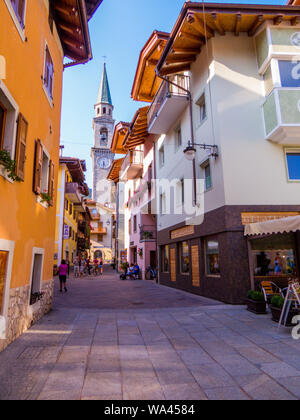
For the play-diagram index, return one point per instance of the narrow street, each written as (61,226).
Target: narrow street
(108,339)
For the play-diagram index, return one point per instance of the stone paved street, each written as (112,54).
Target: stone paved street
(109,339)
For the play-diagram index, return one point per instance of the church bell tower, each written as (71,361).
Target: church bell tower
(102,157)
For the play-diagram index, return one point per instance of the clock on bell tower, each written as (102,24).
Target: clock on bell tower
(102,157)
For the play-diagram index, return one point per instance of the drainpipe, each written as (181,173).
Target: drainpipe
(156,220)
(188,92)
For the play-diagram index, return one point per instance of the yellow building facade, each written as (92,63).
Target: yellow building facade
(33,46)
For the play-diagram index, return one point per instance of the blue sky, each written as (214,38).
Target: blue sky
(118,30)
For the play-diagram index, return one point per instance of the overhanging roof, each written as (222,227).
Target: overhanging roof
(114,172)
(91,7)
(146,82)
(138,130)
(283,225)
(120,132)
(71,20)
(198,22)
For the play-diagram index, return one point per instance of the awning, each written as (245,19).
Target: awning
(287,224)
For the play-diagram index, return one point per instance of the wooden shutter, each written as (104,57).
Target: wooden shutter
(38,163)
(21,146)
(51,182)
(173,264)
(195,266)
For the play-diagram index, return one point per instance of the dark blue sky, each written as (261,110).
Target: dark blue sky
(118,30)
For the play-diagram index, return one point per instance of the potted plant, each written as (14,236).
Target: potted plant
(277,303)
(9,165)
(45,198)
(256,302)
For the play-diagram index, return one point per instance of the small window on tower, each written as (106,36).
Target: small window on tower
(104,110)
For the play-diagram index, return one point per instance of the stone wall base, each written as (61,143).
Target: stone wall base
(21,315)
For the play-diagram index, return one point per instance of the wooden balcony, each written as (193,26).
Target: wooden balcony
(168,104)
(132,166)
(99,231)
(73,192)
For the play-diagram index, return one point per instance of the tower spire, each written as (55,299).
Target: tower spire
(104,96)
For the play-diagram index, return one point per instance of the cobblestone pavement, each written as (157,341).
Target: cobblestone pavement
(109,339)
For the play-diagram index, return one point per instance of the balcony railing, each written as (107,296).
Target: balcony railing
(99,231)
(167,91)
(132,165)
(147,233)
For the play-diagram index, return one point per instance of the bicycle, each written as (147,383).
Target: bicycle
(150,273)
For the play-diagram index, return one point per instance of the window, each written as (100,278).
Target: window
(3,112)
(165,259)
(162,203)
(293,165)
(19,9)
(178,138)
(20,155)
(104,110)
(129,226)
(207,175)
(43,176)
(212,257)
(36,277)
(184,258)
(134,223)
(103,137)
(289,73)
(162,156)
(180,193)
(3,268)
(9,112)
(48,73)
(202,108)
(71,209)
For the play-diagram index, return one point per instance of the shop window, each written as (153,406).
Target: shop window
(19,9)
(293,165)
(212,257)
(3,268)
(184,258)
(273,256)
(165,268)
(48,73)
(201,103)
(289,73)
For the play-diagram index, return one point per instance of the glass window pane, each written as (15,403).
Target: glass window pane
(184,258)
(165,259)
(273,256)
(212,257)
(289,73)
(293,162)
(207,177)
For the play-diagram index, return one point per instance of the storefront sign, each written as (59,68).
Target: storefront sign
(248,218)
(184,231)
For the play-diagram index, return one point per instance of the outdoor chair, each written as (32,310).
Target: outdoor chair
(269,290)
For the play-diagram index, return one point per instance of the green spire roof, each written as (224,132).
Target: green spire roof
(104,95)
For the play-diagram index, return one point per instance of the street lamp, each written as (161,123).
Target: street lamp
(190,150)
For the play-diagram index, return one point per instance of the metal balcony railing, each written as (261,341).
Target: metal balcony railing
(147,233)
(167,90)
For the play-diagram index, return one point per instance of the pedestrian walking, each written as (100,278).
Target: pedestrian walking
(62,273)
(101,266)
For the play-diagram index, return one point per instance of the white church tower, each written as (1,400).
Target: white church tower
(102,156)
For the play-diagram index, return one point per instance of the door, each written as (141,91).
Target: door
(153,261)
(3,267)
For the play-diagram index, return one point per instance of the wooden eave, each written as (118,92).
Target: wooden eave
(91,7)
(71,20)
(138,130)
(199,22)
(120,132)
(114,172)
(146,82)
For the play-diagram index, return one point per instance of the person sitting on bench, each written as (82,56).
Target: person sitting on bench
(136,271)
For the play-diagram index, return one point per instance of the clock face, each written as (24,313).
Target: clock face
(103,163)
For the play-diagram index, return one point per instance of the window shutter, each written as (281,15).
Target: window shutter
(51,182)
(38,162)
(21,146)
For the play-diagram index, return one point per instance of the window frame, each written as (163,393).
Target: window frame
(203,167)
(206,240)
(180,248)
(200,102)
(45,87)
(7,246)
(161,153)
(36,251)
(162,261)
(289,150)
(20,27)
(178,138)
(2,128)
